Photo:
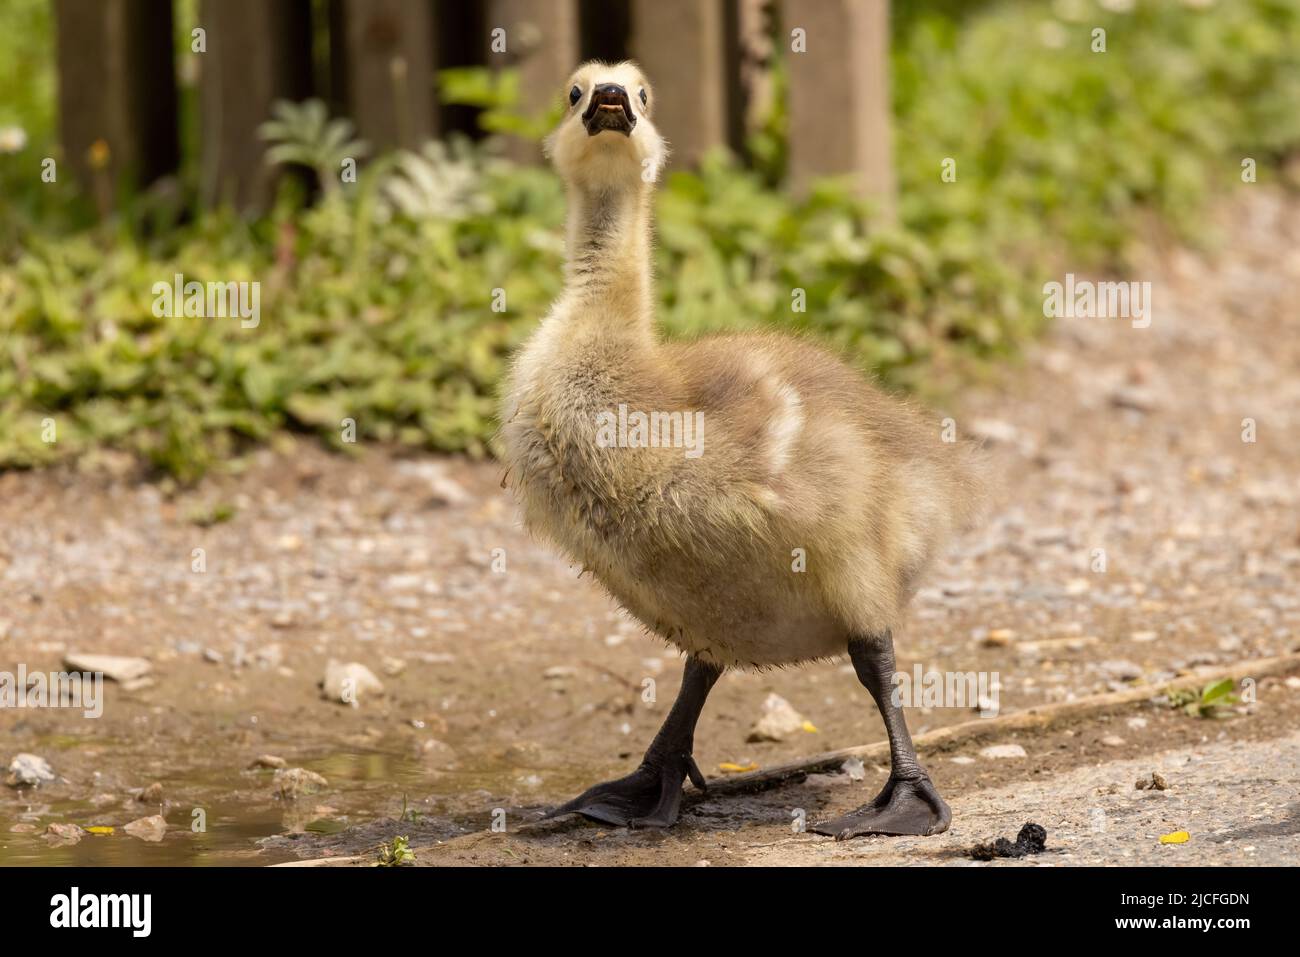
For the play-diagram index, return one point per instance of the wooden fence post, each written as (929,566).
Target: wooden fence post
(388,69)
(541,42)
(603,29)
(682,48)
(258,51)
(839,95)
(117,86)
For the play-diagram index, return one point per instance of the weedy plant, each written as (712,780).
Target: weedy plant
(303,134)
(395,853)
(409,814)
(1212,701)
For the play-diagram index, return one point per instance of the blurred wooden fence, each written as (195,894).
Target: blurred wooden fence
(376,60)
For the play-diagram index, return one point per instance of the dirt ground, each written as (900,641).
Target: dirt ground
(516,687)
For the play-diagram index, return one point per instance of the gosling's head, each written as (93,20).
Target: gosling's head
(607,138)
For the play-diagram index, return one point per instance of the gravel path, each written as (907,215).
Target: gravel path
(515,686)
(1240,805)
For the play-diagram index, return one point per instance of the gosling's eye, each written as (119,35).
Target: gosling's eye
(644,98)
(576,94)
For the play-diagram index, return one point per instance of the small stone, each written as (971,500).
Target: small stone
(63,835)
(151,829)
(1293,683)
(994,431)
(437,753)
(28,770)
(962,759)
(1137,398)
(1142,637)
(1137,724)
(269,761)
(854,768)
(823,780)
(778,721)
(392,666)
(556,672)
(153,794)
(1121,670)
(406,581)
(270,655)
(444,491)
(213,656)
(1003,751)
(113,667)
(1152,782)
(293,783)
(1051,536)
(998,638)
(1113,741)
(347,683)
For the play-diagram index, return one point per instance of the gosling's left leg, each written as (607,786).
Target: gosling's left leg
(651,796)
(909,802)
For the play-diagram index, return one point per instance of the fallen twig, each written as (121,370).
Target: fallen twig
(1031,719)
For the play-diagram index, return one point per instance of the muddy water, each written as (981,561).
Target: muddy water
(224,832)
(219,817)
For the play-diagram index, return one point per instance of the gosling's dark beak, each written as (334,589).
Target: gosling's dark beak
(610,109)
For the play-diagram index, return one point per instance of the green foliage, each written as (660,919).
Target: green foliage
(28,30)
(302,134)
(443,180)
(1062,148)
(376,302)
(27,96)
(212,515)
(376,306)
(496,94)
(396,853)
(1211,702)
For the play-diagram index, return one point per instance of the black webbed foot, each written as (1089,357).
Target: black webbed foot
(650,796)
(904,806)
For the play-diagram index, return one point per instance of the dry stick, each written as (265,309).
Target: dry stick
(1032,719)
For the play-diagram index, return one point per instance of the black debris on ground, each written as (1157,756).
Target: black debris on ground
(1032,839)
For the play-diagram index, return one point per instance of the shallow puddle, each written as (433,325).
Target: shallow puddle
(217,817)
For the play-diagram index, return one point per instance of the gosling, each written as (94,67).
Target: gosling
(749,498)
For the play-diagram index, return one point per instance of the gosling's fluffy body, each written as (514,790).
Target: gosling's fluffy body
(800,452)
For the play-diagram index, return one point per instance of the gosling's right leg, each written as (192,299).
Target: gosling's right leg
(909,803)
(652,794)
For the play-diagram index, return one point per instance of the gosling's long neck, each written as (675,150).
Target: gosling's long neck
(608,271)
